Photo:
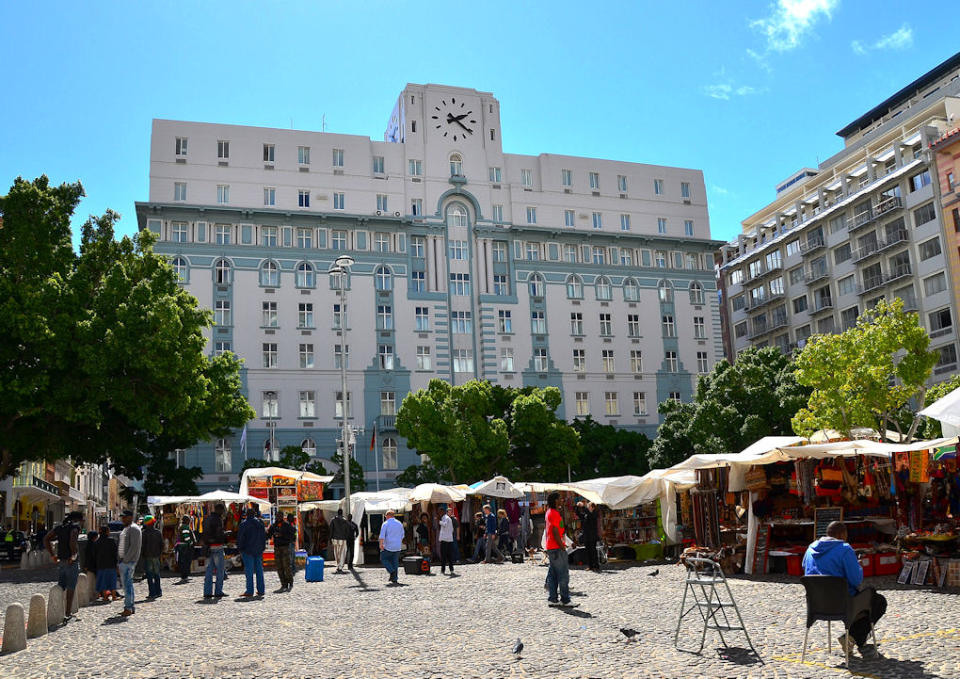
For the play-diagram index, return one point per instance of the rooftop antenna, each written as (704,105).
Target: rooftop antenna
(323,123)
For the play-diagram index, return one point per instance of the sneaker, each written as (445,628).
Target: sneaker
(846,643)
(207,596)
(553,602)
(568,604)
(869,652)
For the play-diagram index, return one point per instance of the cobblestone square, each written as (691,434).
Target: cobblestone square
(351,625)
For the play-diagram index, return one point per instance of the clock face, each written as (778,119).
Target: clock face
(454,119)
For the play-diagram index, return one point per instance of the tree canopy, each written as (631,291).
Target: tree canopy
(608,451)
(867,375)
(102,352)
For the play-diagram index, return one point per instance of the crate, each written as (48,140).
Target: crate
(415,565)
(953,573)
(867,561)
(795,564)
(886,563)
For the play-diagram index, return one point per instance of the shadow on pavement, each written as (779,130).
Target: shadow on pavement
(739,656)
(114,620)
(576,612)
(361,583)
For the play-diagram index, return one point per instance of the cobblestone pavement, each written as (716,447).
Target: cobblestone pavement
(354,626)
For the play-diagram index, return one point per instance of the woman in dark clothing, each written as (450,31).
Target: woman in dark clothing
(90,553)
(422,531)
(504,542)
(106,560)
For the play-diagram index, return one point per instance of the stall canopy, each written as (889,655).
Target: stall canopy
(435,492)
(325,505)
(498,486)
(617,492)
(214,496)
(764,451)
(258,472)
(862,447)
(947,411)
(537,487)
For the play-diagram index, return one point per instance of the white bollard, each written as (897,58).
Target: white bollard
(81,597)
(37,619)
(55,604)
(14,630)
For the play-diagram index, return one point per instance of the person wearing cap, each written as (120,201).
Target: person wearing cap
(186,539)
(391,544)
(251,541)
(67,555)
(152,551)
(214,539)
(129,553)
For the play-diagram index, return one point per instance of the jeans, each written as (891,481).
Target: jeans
(126,573)
(151,567)
(478,550)
(446,555)
(184,559)
(283,556)
(214,561)
(860,629)
(390,561)
(558,575)
(253,565)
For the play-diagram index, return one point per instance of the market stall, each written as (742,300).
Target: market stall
(368,509)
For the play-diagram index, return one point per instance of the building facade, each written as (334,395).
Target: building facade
(946,151)
(594,276)
(864,225)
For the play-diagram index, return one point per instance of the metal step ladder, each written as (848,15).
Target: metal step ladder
(711,598)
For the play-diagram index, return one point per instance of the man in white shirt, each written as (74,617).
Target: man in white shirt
(391,544)
(446,540)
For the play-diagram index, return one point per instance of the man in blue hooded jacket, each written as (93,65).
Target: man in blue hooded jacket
(251,541)
(831,555)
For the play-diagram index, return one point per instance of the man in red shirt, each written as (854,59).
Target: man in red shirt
(558,571)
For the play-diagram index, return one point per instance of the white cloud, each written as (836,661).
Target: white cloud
(726,90)
(718,91)
(900,39)
(858,47)
(791,20)
(719,190)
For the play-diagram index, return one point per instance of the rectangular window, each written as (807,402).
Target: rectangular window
(382,202)
(538,323)
(736,276)
(671,360)
(416,207)
(498,214)
(930,248)
(499,251)
(622,183)
(610,403)
(417,244)
(221,348)
(338,405)
(303,198)
(269,153)
(583,403)
(338,201)
(506,359)
(688,227)
(223,150)
(924,214)
(566,178)
(699,329)
(568,218)
(384,317)
(661,224)
(740,329)
(178,232)
(500,286)
(848,317)
(793,247)
(796,275)
(579,360)
(422,318)
(576,323)
(417,281)
(269,318)
(624,222)
(504,321)
(308,404)
(738,302)
(462,361)
(338,157)
(304,239)
(636,361)
(639,403)
(570,253)
(381,242)
(423,358)
(271,405)
(460,284)
(660,259)
(269,355)
(378,164)
(526,178)
(533,251)
(179,191)
(918,181)
(948,355)
(940,320)
(934,284)
(415,167)
(838,223)
(658,187)
(222,234)
(338,357)
(675,396)
(221,312)
(223,194)
(597,220)
(306,355)
(531,215)
(702,362)
(841,254)
(305,315)
(458,250)
(268,236)
(599,255)
(496,175)
(339,320)
(669,329)
(633,325)
(540,360)
(338,240)
(847,286)
(269,195)
(606,356)
(385,355)
(461,323)
(181,146)
(606,324)
(684,189)
(626,257)
(388,403)
(800,304)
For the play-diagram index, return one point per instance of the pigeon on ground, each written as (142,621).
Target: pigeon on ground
(654,573)
(629,633)
(518,647)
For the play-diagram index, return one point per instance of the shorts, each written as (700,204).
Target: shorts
(67,574)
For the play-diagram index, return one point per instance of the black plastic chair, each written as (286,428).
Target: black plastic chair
(828,598)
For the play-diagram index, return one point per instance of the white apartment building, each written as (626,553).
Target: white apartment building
(864,225)
(594,276)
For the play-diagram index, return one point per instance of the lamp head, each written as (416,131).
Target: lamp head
(345,261)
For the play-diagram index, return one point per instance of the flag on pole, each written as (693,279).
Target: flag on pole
(373,438)
(243,441)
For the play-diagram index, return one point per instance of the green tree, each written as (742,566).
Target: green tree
(867,375)
(162,476)
(609,451)
(291,457)
(102,352)
(416,474)
(541,444)
(673,443)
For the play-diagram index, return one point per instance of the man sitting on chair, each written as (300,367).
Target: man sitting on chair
(831,555)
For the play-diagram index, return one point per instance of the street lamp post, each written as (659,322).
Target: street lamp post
(341,268)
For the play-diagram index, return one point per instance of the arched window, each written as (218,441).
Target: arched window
(389,449)
(269,274)
(383,279)
(604,290)
(309,447)
(306,278)
(222,271)
(631,291)
(180,267)
(696,293)
(536,285)
(574,287)
(223,456)
(666,291)
(456,165)
(457,216)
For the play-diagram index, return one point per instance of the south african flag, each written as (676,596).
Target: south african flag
(944,452)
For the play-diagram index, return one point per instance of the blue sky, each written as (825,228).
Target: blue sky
(749,92)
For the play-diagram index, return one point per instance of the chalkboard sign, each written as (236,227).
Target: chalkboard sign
(761,550)
(823,517)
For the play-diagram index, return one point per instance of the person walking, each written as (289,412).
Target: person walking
(504,541)
(446,539)
(340,533)
(214,539)
(391,544)
(251,541)
(490,535)
(558,570)
(128,553)
(152,551)
(479,527)
(186,539)
(589,516)
(354,534)
(105,561)
(283,536)
(67,556)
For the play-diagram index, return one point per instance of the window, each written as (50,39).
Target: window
(462,361)
(423,358)
(222,234)
(688,228)
(574,287)
(498,214)
(924,214)
(270,407)
(800,304)
(223,150)
(626,257)
(223,194)
(948,355)
(622,183)
(603,288)
(269,318)
(671,360)
(702,362)
(458,250)
(568,218)
(930,248)
(606,324)
(221,348)
(268,236)
(606,356)
(500,286)
(526,178)
(496,175)
(338,405)
(934,284)
(337,157)
(222,271)
(633,325)
(306,355)
(499,251)
(181,146)
(308,404)
(669,328)
(658,187)
(422,318)
(675,396)
(540,360)
(631,291)
(566,178)
(269,355)
(739,302)
(940,320)
(269,195)
(382,278)
(415,167)
(610,404)
(417,245)
(338,357)
(179,191)
(461,322)
(660,259)
(535,285)
(456,165)
(385,355)
(389,451)
(583,403)
(384,317)
(378,164)
(506,359)
(224,456)
(570,253)
(639,403)
(178,232)
(919,180)
(538,322)
(305,314)
(269,275)
(796,275)
(636,361)
(599,255)
(576,323)
(776,286)
(416,207)
(838,223)
(531,215)
(306,278)
(382,202)
(339,320)
(740,329)
(305,241)
(661,224)
(579,360)
(179,265)
(665,290)
(793,247)
(684,189)
(696,292)
(339,240)
(841,254)
(221,312)
(736,276)
(624,222)
(457,217)
(460,284)
(699,329)
(848,317)
(846,286)
(597,220)
(338,201)
(504,321)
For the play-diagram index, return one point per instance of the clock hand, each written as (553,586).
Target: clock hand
(462,125)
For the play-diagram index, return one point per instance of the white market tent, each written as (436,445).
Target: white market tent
(376,502)
(214,496)
(498,486)
(435,492)
(259,472)
(537,487)
(325,505)
(615,492)
(947,411)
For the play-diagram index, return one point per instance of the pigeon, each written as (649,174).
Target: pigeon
(629,633)
(654,573)
(518,647)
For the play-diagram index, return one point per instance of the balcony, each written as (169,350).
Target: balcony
(29,485)
(871,283)
(898,272)
(861,220)
(870,215)
(822,304)
(894,239)
(815,275)
(386,422)
(759,330)
(811,245)
(866,252)
(887,205)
